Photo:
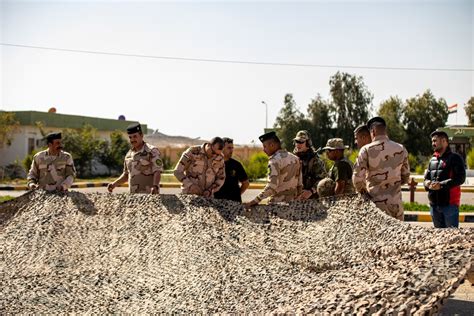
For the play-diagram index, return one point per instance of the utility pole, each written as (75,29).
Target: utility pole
(266,114)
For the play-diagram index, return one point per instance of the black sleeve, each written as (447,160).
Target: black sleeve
(241,174)
(459,173)
(427,175)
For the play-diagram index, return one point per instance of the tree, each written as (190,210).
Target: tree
(112,154)
(392,111)
(319,116)
(8,126)
(289,121)
(351,103)
(423,114)
(469,108)
(84,146)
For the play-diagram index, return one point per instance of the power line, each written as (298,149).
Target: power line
(235,61)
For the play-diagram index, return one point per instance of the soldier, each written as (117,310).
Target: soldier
(285,180)
(362,136)
(201,168)
(52,169)
(381,168)
(142,166)
(341,171)
(313,168)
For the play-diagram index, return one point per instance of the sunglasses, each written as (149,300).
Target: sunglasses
(300,141)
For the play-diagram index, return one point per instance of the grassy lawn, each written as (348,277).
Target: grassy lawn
(416,207)
(5,198)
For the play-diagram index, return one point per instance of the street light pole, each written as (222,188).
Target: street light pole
(266,114)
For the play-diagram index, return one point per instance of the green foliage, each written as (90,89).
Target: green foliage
(469,109)
(353,155)
(320,121)
(418,163)
(112,153)
(289,121)
(470,159)
(392,111)
(29,159)
(8,126)
(423,114)
(351,103)
(84,146)
(349,106)
(6,198)
(257,166)
(417,207)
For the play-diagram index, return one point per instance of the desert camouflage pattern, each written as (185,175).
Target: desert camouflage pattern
(51,172)
(380,169)
(326,187)
(195,169)
(141,166)
(285,179)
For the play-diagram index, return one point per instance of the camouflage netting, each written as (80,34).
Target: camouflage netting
(120,253)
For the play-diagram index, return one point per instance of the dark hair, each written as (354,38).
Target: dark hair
(228,140)
(217,140)
(362,129)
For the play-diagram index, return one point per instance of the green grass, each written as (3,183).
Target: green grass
(6,198)
(417,207)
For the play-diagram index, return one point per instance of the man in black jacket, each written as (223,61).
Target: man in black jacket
(443,180)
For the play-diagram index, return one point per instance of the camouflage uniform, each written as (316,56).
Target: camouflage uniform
(313,170)
(285,180)
(196,169)
(326,187)
(51,172)
(336,174)
(140,166)
(381,168)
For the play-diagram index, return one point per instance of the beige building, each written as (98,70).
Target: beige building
(28,136)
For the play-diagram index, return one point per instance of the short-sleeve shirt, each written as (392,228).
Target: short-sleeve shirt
(342,170)
(234,173)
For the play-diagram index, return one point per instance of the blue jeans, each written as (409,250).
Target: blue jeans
(445,216)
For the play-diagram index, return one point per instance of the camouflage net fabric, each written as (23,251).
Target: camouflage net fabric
(122,253)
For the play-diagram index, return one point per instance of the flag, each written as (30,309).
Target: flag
(453,108)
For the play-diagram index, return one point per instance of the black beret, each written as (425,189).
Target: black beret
(376,119)
(134,128)
(52,136)
(440,133)
(269,135)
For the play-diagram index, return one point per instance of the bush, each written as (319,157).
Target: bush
(257,166)
(353,155)
(29,159)
(470,159)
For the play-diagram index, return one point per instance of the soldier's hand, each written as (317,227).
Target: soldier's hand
(207,193)
(306,194)
(434,185)
(155,189)
(61,188)
(110,187)
(248,205)
(195,189)
(33,186)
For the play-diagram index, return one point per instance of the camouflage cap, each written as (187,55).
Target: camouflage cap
(335,143)
(134,128)
(302,136)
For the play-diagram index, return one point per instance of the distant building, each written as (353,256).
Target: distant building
(28,136)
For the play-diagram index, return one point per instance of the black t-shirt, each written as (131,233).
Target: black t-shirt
(234,173)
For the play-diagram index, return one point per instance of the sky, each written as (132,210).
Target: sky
(204,99)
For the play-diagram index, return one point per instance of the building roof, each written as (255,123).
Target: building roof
(29,118)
